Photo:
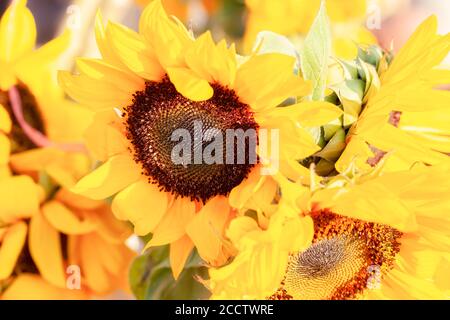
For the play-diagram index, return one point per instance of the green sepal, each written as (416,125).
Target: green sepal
(333,150)
(350,93)
(331,128)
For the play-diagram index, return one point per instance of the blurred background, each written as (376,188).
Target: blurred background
(390,21)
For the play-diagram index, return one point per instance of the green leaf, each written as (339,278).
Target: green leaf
(315,54)
(151,277)
(187,287)
(143,268)
(271,42)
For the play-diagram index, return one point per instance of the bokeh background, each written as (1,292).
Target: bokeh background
(226,18)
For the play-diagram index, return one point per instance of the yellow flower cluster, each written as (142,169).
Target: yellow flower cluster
(337,186)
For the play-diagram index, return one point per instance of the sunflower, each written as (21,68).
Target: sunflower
(267,244)
(406,110)
(44,228)
(295,17)
(34,131)
(49,248)
(150,83)
(27,73)
(376,236)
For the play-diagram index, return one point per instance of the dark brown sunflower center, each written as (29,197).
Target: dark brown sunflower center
(19,140)
(25,262)
(347,257)
(192,149)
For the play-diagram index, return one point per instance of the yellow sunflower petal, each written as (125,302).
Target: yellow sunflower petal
(92,93)
(7,76)
(241,194)
(5,172)
(173,225)
(414,99)
(434,141)
(442,276)
(403,146)
(17,32)
(45,248)
(422,37)
(415,288)
(180,251)
(35,159)
(354,203)
(296,172)
(112,176)
(65,168)
(168,38)
(297,234)
(103,45)
(143,204)
(11,247)
(356,153)
(5,149)
(5,120)
(266,80)
(41,58)
(77,201)
(109,227)
(189,84)
(309,114)
(33,287)
(105,137)
(19,198)
(96,277)
(64,220)
(263,196)
(102,71)
(212,62)
(271,263)
(207,227)
(133,52)
(294,141)
(240,227)
(414,59)
(110,256)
